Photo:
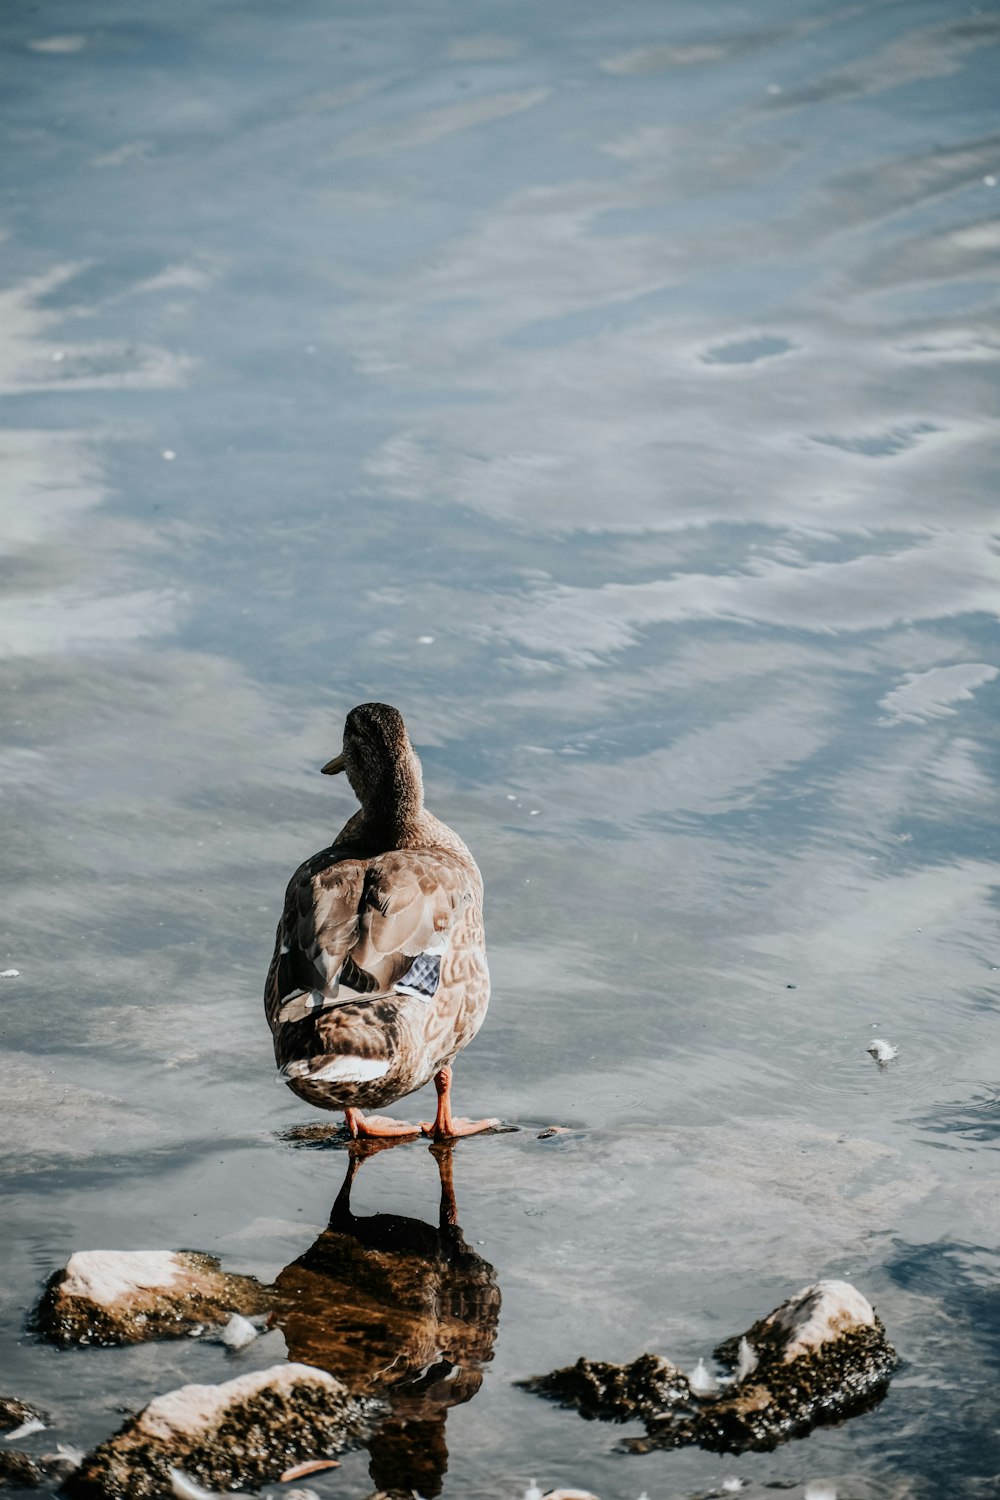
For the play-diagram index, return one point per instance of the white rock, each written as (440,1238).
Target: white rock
(819,1314)
(188,1411)
(106,1276)
(286,1414)
(128,1296)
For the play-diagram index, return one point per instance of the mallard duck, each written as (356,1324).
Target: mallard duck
(379,974)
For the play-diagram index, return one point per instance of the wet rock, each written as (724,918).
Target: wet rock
(19,1470)
(242,1434)
(616,1393)
(15,1413)
(127,1296)
(819,1357)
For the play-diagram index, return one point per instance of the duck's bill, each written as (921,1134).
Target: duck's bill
(333,766)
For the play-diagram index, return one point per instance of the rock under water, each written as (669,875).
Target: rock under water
(243,1433)
(820,1357)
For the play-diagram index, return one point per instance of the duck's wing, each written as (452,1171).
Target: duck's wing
(364,928)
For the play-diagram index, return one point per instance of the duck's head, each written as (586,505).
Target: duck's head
(380,762)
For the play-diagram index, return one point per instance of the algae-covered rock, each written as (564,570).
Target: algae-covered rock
(243,1433)
(19,1470)
(615,1393)
(819,1357)
(15,1413)
(127,1296)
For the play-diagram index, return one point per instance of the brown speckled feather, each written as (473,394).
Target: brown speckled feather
(379,973)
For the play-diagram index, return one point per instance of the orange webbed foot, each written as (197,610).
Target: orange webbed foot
(377,1127)
(449,1130)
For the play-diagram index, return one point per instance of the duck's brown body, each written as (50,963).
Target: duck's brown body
(379,975)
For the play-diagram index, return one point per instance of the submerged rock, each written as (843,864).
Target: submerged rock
(243,1433)
(819,1357)
(127,1296)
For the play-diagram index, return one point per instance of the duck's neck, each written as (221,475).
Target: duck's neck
(392,813)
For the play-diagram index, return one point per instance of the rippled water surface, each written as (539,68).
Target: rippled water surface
(613,389)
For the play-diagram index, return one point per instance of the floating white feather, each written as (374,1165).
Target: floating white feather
(702,1381)
(33,1424)
(881,1050)
(533,1492)
(820,1490)
(746,1361)
(238,1332)
(186,1488)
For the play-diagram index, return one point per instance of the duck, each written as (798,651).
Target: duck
(379,976)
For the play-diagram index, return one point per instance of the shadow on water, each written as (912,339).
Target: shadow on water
(399,1309)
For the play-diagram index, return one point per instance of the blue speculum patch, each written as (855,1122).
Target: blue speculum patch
(422,977)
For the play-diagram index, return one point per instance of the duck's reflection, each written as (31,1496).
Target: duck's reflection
(400,1309)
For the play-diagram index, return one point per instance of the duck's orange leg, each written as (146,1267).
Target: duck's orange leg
(444,1126)
(377,1127)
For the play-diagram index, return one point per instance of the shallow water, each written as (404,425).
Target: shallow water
(613,389)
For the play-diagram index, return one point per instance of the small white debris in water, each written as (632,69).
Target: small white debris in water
(197,1331)
(532,1492)
(425,640)
(58,44)
(168,454)
(535,812)
(58,355)
(732,1483)
(188,1489)
(747,1361)
(881,1050)
(10,974)
(702,1381)
(33,1424)
(238,1332)
(511,797)
(989,180)
(820,1491)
